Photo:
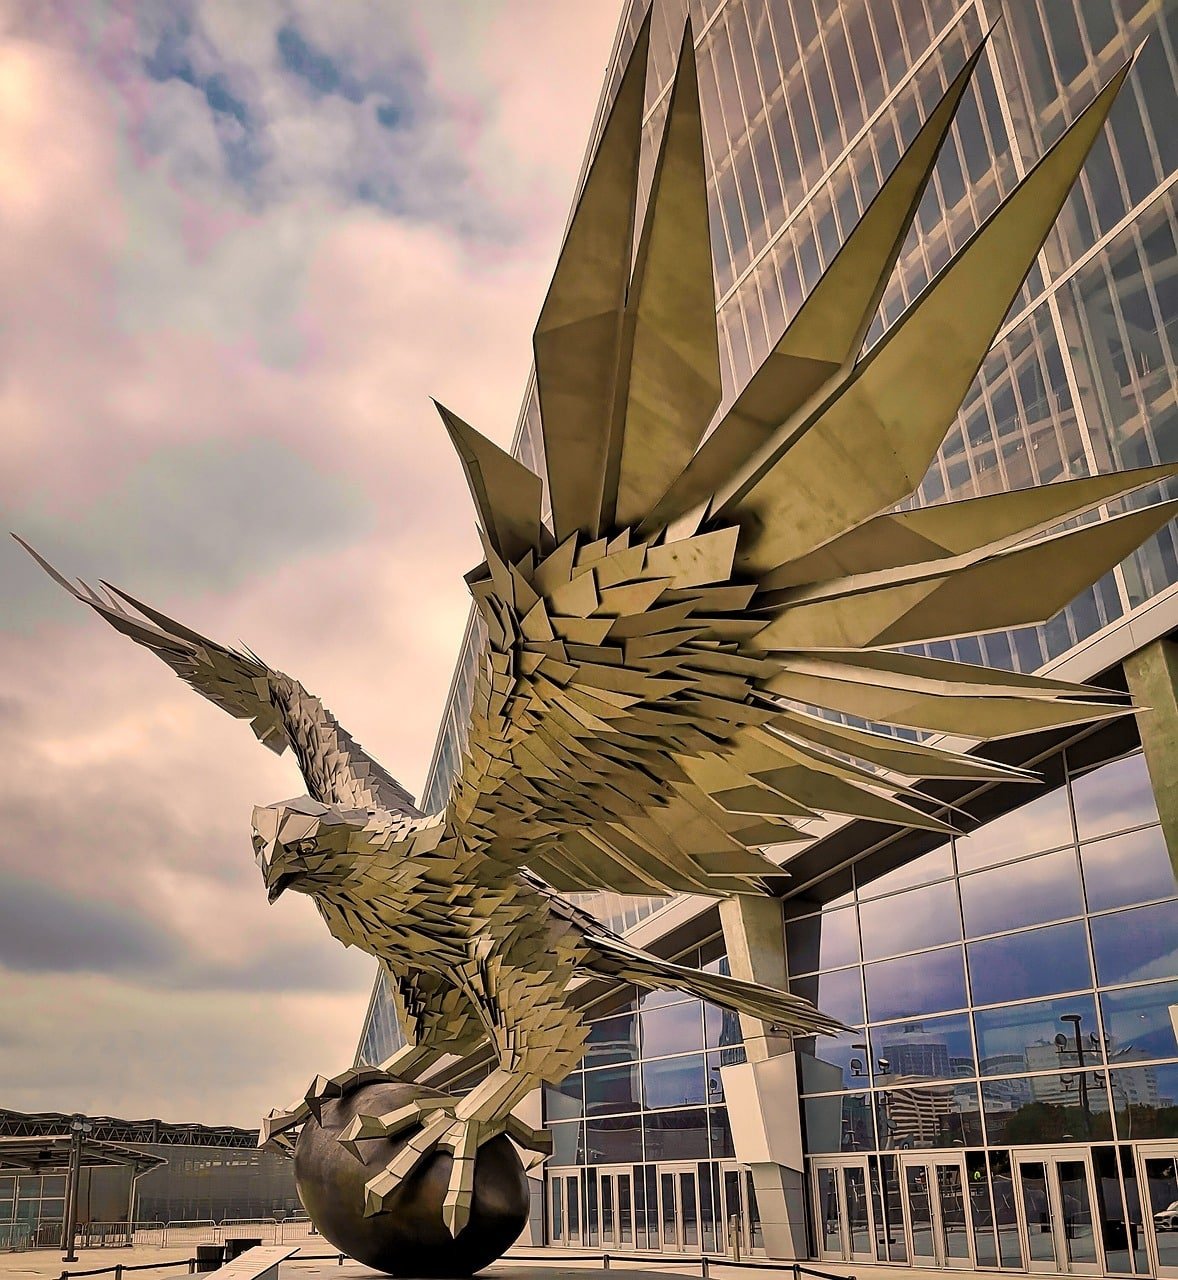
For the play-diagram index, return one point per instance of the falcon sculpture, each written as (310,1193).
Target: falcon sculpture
(681,625)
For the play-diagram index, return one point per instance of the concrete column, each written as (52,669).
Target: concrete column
(1152,673)
(762,1094)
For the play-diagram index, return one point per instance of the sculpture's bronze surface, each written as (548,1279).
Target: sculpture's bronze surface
(653,704)
(410,1239)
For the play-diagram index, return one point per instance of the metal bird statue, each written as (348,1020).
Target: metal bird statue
(653,702)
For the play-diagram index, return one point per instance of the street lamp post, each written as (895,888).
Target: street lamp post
(1075,1019)
(78,1127)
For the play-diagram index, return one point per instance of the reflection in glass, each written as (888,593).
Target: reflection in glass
(918,1186)
(1021,1037)
(823,941)
(937,864)
(1126,869)
(565,1100)
(839,1122)
(1134,946)
(1036,963)
(1037,1211)
(568,1143)
(612,1040)
(674,1028)
(858,1216)
(1161,1185)
(613,1139)
(722,1031)
(1137,1021)
(940,1115)
(840,994)
(827,1208)
(1113,797)
(924,1049)
(675,1082)
(611,1089)
(1062,1107)
(1030,892)
(1010,1249)
(1045,823)
(721,1134)
(918,918)
(1079,1230)
(829,1063)
(906,988)
(1146,1101)
(677,1135)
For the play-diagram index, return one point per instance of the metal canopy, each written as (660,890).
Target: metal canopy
(51,1154)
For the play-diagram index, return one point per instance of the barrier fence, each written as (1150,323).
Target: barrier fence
(46,1234)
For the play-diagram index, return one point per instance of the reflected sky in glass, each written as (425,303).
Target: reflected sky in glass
(1036,963)
(905,988)
(1129,868)
(1030,892)
(1011,1039)
(908,921)
(1134,946)
(1045,823)
(1137,1020)
(1113,797)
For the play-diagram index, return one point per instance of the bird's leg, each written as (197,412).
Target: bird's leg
(278,1127)
(461,1128)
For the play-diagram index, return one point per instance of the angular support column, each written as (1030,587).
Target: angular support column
(762,1093)
(1152,674)
(531,1112)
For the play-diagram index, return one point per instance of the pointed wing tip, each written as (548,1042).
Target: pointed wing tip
(59,578)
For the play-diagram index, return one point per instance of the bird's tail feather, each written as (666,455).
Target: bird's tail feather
(791,1013)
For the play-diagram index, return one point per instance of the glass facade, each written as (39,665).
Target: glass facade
(1012,990)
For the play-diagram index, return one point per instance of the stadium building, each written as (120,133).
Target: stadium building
(1008,1099)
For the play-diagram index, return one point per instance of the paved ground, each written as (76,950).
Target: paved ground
(46,1264)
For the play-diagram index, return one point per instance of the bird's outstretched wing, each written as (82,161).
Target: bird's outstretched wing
(281,712)
(664,656)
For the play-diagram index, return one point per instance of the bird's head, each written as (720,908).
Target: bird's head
(304,845)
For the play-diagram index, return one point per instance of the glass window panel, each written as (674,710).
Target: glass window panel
(611,1089)
(925,983)
(568,1142)
(612,1040)
(829,1063)
(676,1028)
(928,1048)
(721,1028)
(720,1132)
(1134,946)
(613,1139)
(675,1082)
(1044,823)
(1129,868)
(1031,892)
(941,1115)
(677,1135)
(839,1122)
(716,1061)
(1115,796)
(937,864)
(1138,1023)
(918,918)
(824,941)
(1146,1101)
(565,1100)
(1021,1037)
(839,994)
(1065,1107)
(1022,965)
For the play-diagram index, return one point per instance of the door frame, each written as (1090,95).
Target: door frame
(836,1164)
(1051,1158)
(1152,1149)
(931,1160)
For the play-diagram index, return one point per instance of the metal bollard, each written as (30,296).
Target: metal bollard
(605,1262)
(705,1266)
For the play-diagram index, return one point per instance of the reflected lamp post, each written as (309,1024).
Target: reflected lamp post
(1061,1042)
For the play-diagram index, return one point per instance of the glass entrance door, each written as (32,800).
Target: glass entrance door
(844,1221)
(1158,1179)
(937,1211)
(679,1216)
(615,1196)
(564,1208)
(1055,1195)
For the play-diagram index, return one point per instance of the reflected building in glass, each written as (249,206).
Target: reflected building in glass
(1007,1097)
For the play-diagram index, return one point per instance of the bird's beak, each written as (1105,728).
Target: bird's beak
(283,883)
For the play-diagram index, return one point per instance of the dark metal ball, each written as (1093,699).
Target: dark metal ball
(409,1238)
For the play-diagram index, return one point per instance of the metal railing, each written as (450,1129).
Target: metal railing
(707,1263)
(191,1263)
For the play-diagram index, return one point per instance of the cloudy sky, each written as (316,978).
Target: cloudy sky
(240,247)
